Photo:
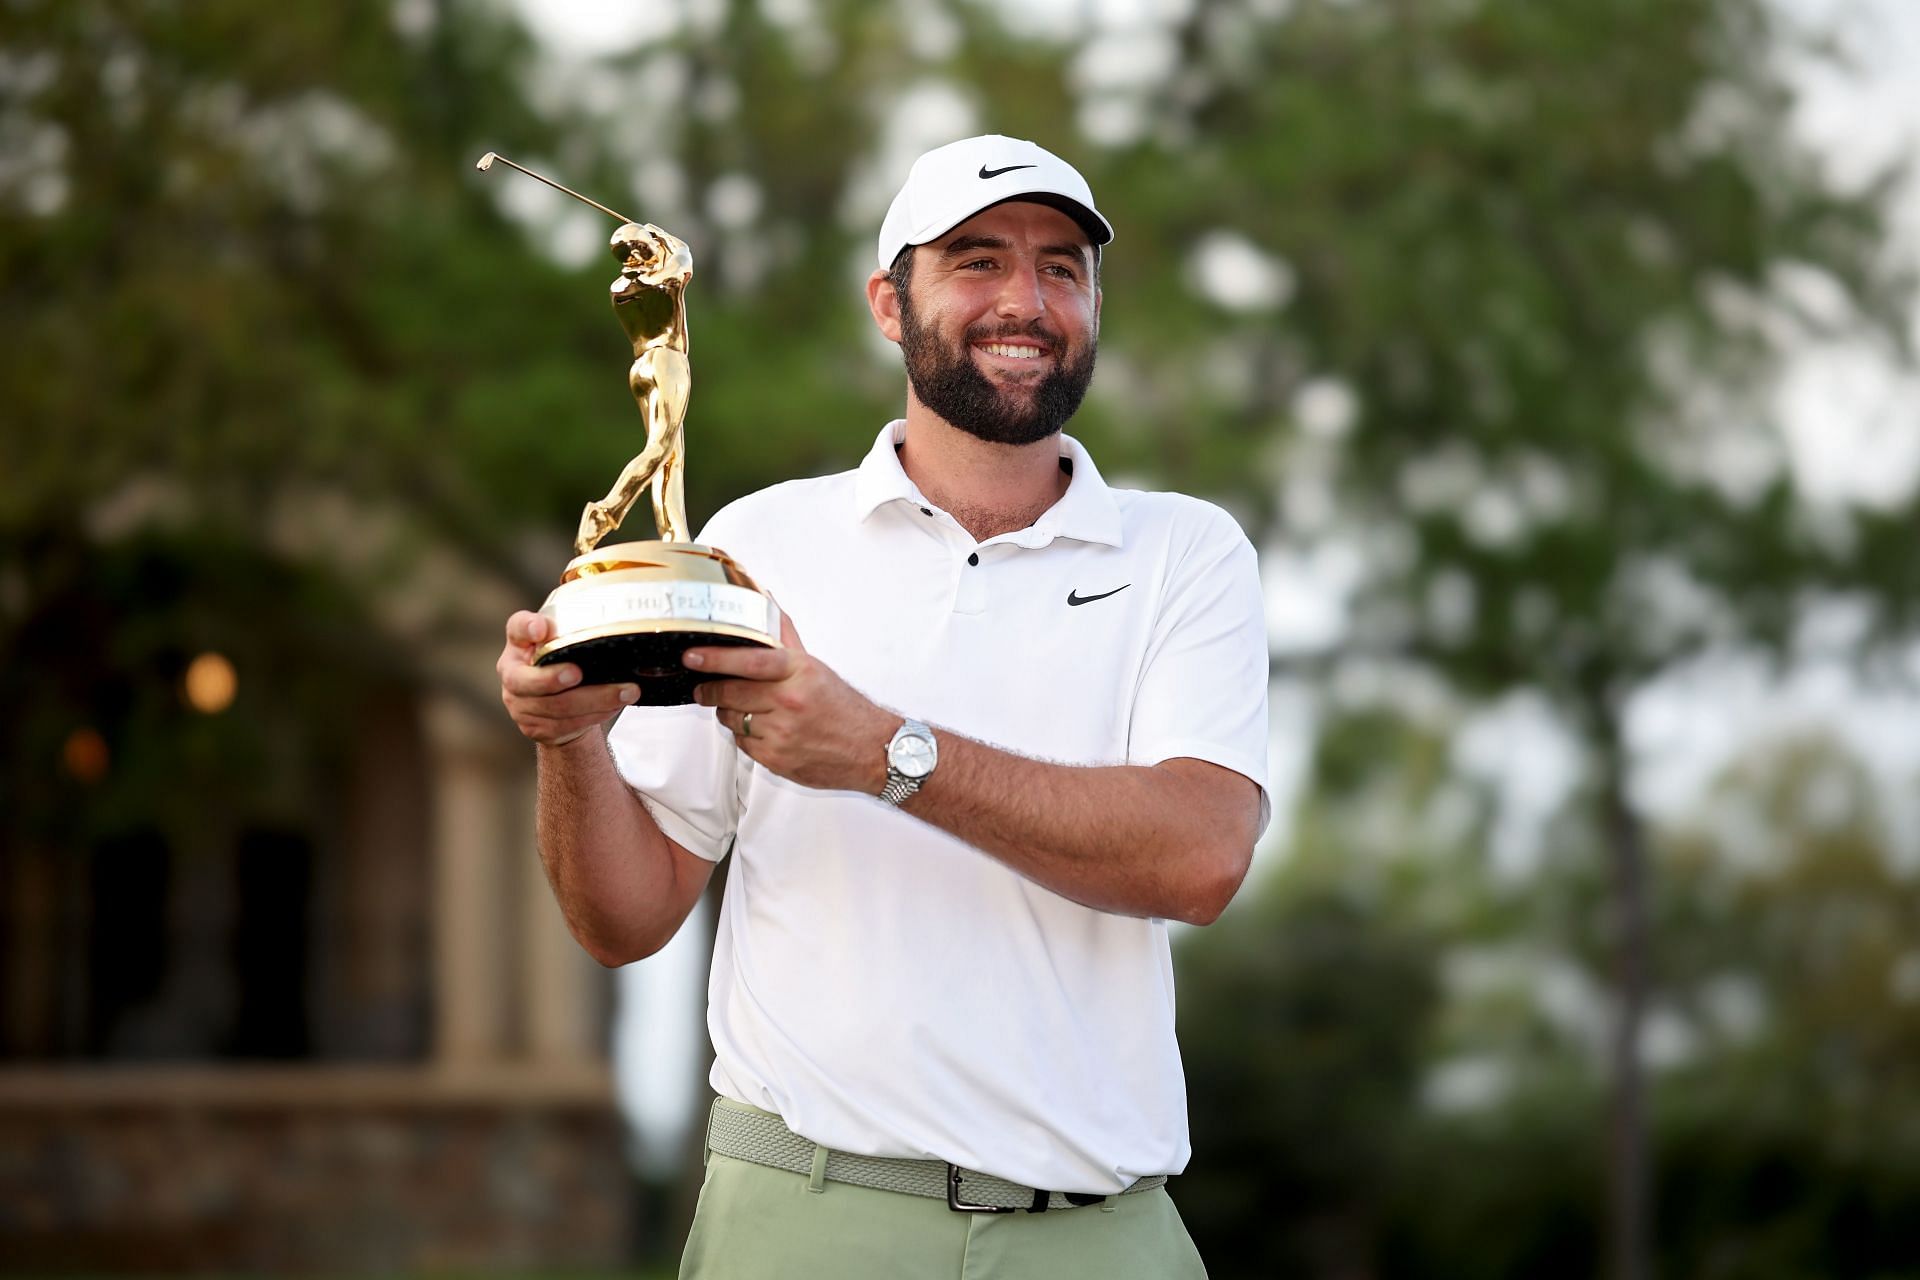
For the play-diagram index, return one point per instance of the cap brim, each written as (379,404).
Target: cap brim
(1098,232)
(1096,229)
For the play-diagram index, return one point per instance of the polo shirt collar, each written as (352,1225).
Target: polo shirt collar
(1086,512)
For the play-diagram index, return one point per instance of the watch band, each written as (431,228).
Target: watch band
(900,785)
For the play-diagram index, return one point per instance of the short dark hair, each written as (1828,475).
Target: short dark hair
(901,272)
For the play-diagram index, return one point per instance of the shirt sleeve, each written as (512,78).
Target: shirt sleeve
(1203,685)
(682,762)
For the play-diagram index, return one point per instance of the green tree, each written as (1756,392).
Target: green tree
(1787,927)
(248,267)
(265,357)
(1396,1048)
(1302,1027)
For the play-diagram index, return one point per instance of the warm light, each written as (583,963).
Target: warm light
(211,683)
(84,754)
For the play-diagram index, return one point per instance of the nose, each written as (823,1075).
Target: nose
(1020,297)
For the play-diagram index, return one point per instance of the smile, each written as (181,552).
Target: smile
(1012,350)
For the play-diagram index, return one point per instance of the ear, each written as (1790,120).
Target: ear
(883,300)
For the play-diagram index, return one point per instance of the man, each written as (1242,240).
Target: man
(1019,724)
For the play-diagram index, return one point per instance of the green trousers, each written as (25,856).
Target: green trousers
(757,1223)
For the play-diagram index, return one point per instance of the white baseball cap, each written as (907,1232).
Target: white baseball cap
(950,184)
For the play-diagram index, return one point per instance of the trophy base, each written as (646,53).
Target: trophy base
(626,613)
(650,660)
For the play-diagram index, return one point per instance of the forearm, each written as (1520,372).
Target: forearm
(1172,840)
(624,887)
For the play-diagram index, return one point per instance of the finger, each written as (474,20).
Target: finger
(734,695)
(528,629)
(528,681)
(592,701)
(600,700)
(735,721)
(747,664)
(541,715)
(788,635)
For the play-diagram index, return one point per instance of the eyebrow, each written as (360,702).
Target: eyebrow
(967,244)
(961,245)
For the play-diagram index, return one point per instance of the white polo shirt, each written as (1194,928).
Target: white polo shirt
(887,988)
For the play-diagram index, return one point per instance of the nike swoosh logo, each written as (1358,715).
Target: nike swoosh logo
(994,173)
(1074,598)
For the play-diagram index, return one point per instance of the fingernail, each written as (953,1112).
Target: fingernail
(569,675)
(629,693)
(694,658)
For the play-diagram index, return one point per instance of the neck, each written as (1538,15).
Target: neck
(989,488)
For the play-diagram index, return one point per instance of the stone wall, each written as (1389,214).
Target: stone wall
(310,1170)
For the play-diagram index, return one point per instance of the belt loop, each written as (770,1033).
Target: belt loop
(817,1183)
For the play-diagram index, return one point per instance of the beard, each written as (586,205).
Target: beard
(947,381)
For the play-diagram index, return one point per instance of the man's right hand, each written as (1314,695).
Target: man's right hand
(547,703)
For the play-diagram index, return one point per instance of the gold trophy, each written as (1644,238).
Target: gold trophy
(626,612)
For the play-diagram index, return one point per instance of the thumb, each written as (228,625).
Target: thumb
(788,636)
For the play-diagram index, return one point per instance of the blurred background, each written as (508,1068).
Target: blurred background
(1557,356)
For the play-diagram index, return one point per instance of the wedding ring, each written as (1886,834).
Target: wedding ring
(746,725)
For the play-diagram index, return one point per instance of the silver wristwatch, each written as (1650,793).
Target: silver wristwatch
(911,755)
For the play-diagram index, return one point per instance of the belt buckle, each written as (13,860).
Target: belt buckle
(955,1203)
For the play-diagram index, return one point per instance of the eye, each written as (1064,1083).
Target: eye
(977,264)
(1062,271)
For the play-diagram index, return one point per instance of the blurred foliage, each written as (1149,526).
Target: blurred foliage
(1554,254)
(260,298)
(1543,265)
(1544,258)
(1322,1019)
(109,649)
(1301,1030)
(264,273)
(1793,1133)
(246,283)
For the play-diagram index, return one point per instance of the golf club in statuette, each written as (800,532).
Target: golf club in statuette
(626,612)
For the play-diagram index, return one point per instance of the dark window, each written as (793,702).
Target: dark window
(128,879)
(272,937)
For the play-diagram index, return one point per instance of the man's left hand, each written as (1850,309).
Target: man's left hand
(808,725)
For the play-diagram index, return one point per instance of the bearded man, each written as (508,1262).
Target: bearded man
(1026,727)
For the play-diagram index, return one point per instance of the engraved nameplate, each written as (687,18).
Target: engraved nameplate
(588,605)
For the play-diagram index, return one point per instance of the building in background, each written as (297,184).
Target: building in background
(281,984)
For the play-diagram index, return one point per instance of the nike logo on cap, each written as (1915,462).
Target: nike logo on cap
(994,173)
(1075,598)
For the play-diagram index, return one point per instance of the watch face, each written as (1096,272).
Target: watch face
(912,755)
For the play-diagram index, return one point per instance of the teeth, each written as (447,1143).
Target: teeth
(1004,349)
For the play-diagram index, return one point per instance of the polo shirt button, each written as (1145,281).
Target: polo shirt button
(926,511)
(974,558)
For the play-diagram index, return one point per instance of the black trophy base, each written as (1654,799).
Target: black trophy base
(649,659)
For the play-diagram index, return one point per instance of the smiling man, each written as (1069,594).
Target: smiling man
(1018,725)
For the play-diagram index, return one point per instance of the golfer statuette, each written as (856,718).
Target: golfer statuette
(626,612)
